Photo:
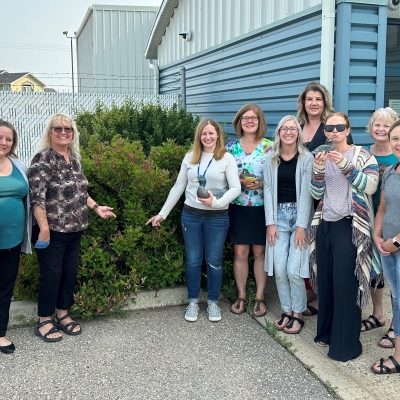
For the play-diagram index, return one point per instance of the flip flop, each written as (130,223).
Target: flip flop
(237,307)
(257,308)
(369,325)
(290,325)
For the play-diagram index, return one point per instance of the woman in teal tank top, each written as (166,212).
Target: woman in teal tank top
(15,223)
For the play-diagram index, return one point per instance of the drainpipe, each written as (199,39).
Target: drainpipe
(327,44)
(154,66)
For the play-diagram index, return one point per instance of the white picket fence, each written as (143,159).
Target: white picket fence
(29,112)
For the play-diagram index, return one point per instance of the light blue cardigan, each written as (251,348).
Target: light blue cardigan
(26,242)
(305,206)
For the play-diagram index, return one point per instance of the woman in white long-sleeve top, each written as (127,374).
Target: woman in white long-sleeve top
(288,212)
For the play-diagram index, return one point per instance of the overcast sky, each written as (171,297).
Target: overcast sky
(32,40)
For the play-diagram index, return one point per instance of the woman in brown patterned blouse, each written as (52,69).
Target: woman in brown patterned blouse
(59,200)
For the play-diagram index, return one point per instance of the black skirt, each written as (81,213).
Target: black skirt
(247,225)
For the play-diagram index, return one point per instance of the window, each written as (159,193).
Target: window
(27,87)
(6,88)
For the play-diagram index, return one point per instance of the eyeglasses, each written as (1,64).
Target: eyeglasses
(58,129)
(245,119)
(339,127)
(292,129)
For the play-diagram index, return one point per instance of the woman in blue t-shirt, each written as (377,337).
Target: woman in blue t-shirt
(15,223)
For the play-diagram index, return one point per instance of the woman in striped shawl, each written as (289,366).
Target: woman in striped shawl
(341,246)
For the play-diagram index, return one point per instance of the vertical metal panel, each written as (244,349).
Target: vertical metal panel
(215,22)
(270,68)
(119,36)
(84,49)
(360,63)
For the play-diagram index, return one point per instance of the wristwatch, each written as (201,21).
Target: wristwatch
(396,242)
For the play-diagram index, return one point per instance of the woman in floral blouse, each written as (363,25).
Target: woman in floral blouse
(246,213)
(59,200)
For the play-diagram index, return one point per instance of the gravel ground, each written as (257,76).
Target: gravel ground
(155,354)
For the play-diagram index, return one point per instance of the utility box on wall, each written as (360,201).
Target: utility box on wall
(110,44)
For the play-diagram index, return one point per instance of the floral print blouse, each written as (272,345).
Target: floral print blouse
(254,163)
(60,188)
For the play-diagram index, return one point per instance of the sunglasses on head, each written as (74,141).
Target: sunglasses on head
(339,127)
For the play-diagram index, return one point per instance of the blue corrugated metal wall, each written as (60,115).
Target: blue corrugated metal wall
(269,68)
(359,80)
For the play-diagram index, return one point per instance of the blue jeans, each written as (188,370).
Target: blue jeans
(204,236)
(391,268)
(287,261)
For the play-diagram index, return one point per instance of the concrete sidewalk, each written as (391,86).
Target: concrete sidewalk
(239,361)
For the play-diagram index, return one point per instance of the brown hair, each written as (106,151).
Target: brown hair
(326,97)
(262,121)
(197,147)
(395,125)
(339,114)
(15,137)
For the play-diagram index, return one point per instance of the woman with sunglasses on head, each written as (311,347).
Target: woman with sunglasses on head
(378,127)
(387,240)
(246,213)
(343,180)
(205,218)
(60,202)
(15,223)
(313,106)
(288,212)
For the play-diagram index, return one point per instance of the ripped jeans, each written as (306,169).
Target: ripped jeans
(204,236)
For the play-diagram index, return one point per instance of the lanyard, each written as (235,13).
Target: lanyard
(204,173)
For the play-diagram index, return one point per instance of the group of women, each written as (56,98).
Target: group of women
(54,190)
(304,208)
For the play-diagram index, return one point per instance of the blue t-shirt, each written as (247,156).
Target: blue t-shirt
(13,188)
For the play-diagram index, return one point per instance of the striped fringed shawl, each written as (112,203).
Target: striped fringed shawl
(363,175)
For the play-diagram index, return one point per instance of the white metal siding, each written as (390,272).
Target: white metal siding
(84,49)
(119,39)
(215,22)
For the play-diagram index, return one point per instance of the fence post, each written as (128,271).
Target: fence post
(183,87)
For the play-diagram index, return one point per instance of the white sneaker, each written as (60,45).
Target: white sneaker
(214,312)
(192,311)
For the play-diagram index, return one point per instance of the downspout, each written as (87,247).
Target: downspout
(327,44)
(153,64)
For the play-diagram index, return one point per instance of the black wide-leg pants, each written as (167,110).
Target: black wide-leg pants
(58,265)
(338,314)
(9,263)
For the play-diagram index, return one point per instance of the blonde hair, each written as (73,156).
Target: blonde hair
(45,141)
(387,114)
(10,126)
(197,147)
(277,146)
(326,97)
(262,121)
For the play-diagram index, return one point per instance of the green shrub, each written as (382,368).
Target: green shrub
(151,124)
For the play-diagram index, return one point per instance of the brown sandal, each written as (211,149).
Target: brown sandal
(257,308)
(235,309)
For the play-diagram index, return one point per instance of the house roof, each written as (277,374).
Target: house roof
(160,24)
(9,78)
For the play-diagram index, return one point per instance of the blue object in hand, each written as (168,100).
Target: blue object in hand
(41,245)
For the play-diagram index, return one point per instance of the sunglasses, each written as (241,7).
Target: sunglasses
(58,129)
(339,127)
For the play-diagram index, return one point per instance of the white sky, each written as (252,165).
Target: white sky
(32,40)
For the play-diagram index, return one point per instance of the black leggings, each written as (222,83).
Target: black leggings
(9,263)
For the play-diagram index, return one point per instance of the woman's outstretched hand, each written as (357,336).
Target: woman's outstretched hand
(155,221)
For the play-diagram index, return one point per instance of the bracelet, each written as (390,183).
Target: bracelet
(95,207)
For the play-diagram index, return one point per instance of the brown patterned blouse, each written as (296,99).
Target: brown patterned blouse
(60,188)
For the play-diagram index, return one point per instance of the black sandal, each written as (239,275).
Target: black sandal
(45,337)
(67,328)
(312,311)
(369,325)
(384,370)
(290,325)
(280,322)
(387,337)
